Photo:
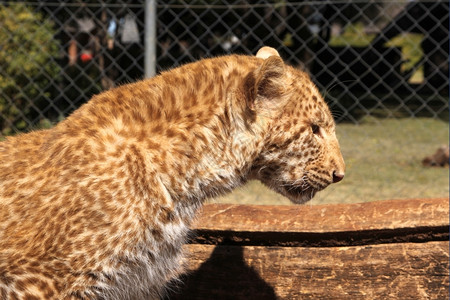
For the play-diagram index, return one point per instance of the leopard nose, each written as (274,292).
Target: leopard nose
(338,176)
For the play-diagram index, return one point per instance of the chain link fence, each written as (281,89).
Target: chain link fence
(383,59)
(368,57)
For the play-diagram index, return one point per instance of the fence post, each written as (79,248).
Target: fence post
(150,38)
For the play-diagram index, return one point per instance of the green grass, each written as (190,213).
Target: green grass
(383,158)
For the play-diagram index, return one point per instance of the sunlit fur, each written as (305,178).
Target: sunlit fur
(99,206)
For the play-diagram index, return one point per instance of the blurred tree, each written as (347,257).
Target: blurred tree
(27,66)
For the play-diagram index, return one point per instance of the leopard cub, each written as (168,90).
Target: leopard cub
(99,206)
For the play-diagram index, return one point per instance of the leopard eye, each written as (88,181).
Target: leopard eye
(315,129)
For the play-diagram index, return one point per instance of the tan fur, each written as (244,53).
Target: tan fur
(99,206)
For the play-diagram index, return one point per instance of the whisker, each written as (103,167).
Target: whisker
(334,84)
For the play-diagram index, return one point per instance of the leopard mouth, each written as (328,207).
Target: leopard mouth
(303,191)
(298,194)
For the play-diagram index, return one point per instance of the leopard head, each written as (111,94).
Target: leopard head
(300,154)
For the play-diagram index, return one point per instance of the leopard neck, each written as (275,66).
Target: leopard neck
(191,131)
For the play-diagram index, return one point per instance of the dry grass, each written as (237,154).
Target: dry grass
(383,160)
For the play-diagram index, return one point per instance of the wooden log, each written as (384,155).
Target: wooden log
(326,218)
(379,250)
(386,271)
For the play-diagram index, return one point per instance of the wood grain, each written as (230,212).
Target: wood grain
(391,214)
(381,250)
(394,271)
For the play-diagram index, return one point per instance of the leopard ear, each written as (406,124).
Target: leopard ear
(266,52)
(266,84)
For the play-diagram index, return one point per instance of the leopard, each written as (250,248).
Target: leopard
(100,205)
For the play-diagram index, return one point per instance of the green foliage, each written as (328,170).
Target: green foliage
(411,50)
(27,65)
(412,53)
(353,35)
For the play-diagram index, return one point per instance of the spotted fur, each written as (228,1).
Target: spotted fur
(98,207)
